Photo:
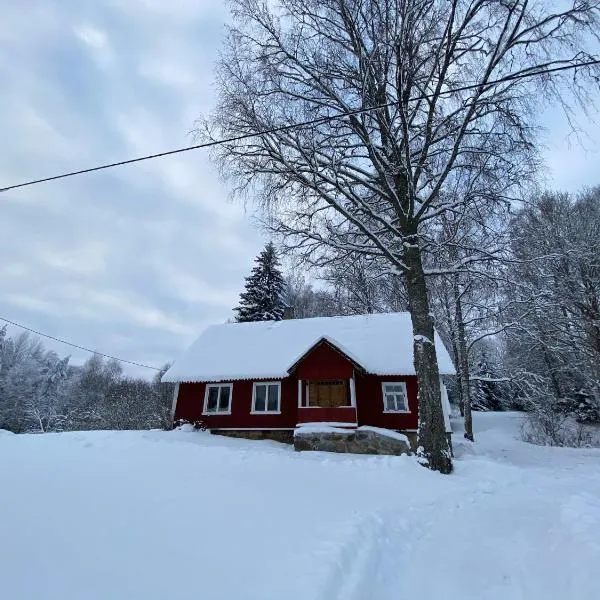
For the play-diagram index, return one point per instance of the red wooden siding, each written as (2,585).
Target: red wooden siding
(324,362)
(191,403)
(369,403)
(340,414)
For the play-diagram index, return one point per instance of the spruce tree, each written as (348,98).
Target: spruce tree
(262,298)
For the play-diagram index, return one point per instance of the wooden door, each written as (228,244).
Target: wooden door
(328,394)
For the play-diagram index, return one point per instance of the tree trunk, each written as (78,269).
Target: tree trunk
(455,355)
(463,362)
(433,444)
(459,387)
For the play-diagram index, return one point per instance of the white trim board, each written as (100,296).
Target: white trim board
(352,390)
(174,402)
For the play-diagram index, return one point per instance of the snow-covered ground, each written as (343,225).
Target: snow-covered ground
(186,515)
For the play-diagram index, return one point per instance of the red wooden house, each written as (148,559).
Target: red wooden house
(262,379)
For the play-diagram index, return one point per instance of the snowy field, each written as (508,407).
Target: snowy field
(185,515)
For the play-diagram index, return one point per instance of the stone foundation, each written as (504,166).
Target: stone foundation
(285,436)
(357,440)
(412,439)
(351,441)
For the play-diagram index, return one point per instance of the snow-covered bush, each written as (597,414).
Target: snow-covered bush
(185,425)
(546,428)
(548,424)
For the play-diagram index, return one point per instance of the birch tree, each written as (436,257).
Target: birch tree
(468,300)
(556,241)
(361,286)
(307,302)
(371,182)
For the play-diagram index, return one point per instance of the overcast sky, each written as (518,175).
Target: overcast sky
(137,260)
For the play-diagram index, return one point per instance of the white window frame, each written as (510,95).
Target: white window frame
(266,412)
(396,412)
(217,385)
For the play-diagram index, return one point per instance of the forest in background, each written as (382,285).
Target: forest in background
(529,325)
(41,391)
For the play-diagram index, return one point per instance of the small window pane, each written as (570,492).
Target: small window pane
(260,398)
(224,399)
(213,395)
(401,402)
(273,404)
(389,402)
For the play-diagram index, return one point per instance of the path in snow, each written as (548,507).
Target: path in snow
(527,527)
(182,515)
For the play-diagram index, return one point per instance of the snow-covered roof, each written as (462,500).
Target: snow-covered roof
(381,344)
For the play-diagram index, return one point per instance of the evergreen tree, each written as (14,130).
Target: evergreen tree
(262,299)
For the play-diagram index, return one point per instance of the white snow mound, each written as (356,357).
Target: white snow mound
(386,432)
(186,515)
(322,428)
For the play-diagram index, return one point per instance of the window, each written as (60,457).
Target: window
(394,397)
(266,397)
(217,399)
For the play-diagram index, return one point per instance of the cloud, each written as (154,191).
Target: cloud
(573,156)
(136,260)
(97,42)
(133,261)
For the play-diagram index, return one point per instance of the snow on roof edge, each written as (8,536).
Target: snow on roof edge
(227,379)
(276,377)
(376,354)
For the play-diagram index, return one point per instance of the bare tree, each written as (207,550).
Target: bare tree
(371,183)
(361,286)
(307,301)
(556,240)
(468,301)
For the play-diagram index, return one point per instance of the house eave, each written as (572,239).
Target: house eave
(228,378)
(280,376)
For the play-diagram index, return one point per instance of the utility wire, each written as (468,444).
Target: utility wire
(358,111)
(51,337)
(524,75)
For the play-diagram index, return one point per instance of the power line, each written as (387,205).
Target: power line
(358,111)
(51,337)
